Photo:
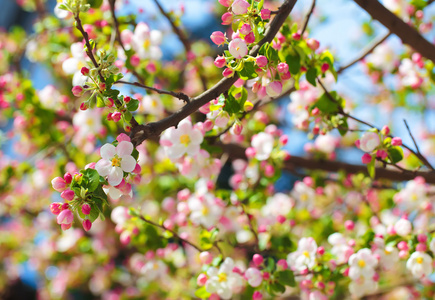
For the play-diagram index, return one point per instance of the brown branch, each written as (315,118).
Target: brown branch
(307,17)
(171,231)
(295,162)
(396,25)
(178,95)
(419,155)
(251,227)
(140,133)
(364,52)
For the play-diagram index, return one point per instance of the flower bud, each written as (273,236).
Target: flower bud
(250,38)
(56,208)
(205,257)
(87,224)
(313,44)
(227,18)
(218,38)
(396,141)
(274,89)
(245,29)
(116,116)
(220,61)
(265,14)
(261,61)
(58,184)
(240,7)
(68,195)
(228,73)
(86,209)
(248,106)
(201,280)
(77,91)
(282,68)
(257,259)
(65,217)
(84,106)
(366,158)
(84,71)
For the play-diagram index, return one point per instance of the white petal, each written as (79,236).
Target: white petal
(192,149)
(108,151)
(175,152)
(124,148)
(128,163)
(196,137)
(103,167)
(115,176)
(70,66)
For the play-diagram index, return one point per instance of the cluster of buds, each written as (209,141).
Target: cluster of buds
(75,6)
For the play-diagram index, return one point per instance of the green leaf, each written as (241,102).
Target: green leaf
(371,168)
(133,105)
(248,71)
(294,63)
(277,287)
(286,277)
(395,154)
(311,76)
(343,126)
(272,54)
(95,212)
(100,101)
(127,116)
(202,293)
(263,49)
(232,106)
(205,240)
(326,105)
(95,3)
(98,204)
(93,179)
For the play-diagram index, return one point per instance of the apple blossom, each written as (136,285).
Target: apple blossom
(223,281)
(240,7)
(238,48)
(254,277)
(369,141)
(420,264)
(115,161)
(263,145)
(218,38)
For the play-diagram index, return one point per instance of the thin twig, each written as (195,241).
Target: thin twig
(426,162)
(178,95)
(171,231)
(251,227)
(307,17)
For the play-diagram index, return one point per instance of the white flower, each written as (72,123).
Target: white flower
(362,263)
(278,204)
(115,161)
(223,281)
(341,250)
(60,13)
(420,264)
(303,194)
(49,97)
(204,210)
(238,48)
(74,64)
(305,256)
(144,41)
(153,270)
(362,286)
(325,143)
(151,104)
(119,215)
(88,121)
(382,57)
(369,141)
(414,193)
(254,277)
(183,139)
(403,227)
(263,145)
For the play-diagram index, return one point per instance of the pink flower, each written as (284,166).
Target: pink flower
(225,3)
(68,195)
(240,7)
(228,73)
(265,14)
(262,144)
(65,217)
(77,91)
(313,44)
(115,161)
(245,29)
(238,48)
(250,38)
(261,61)
(366,158)
(257,295)
(218,38)
(254,277)
(396,141)
(87,224)
(369,141)
(325,67)
(282,68)
(116,116)
(220,61)
(86,209)
(257,259)
(56,208)
(274,89)
(227,18)
(58,184)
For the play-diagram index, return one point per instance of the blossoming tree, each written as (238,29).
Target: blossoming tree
(163,172)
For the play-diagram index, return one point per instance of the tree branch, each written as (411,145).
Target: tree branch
(307,17)
(396,25)
(139,133)
(420,156)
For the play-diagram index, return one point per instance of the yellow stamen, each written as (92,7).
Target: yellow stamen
(185,139)
(155,266)
(237,49)
(116,162)
(306,254)
(204,211)
(304,197)
(146,44)
(361,263)
(419,260)
(222,277)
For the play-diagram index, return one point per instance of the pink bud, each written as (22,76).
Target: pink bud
(205,257)
(385,130)
(225,3)
(56,208)
(257,259)
(83,106)
(208,125)
(116,116)
(422,238)
(313,44)
(67,177)
(227,18)
(218,38)
(220,61)
(123,137)
(228,73)
(127,99)
(250,152)
(65,217)
(421,247)
(366,158)
(86,209)
(282,68)
(250,38)
(65,226)
(382,154)
(245,29)
(274,89)
(67,195)
(240,7)
(325,67)
(296,36)
(135,60)
(87,224)
(320,250)
(349,225)
(77,91)
(265,14)
(282,264)
(283,140)
(269,171)
(261,61)
(201,280)
(396,141)
(402,246)
(237,128)
(58,184)
(125,238)
(281,219)
(65,206)
(84,71)
(257,295)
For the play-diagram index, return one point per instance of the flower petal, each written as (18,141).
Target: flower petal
(115,176)
(128,163)
(107,151)
(103,167)
(196,137)
(124,148)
